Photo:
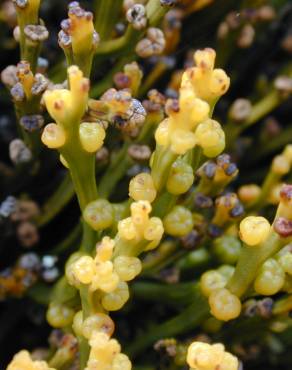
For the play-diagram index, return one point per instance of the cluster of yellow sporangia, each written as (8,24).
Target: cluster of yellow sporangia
(23,361)
(204,356)
(105,352)
(105,273)
(67,108)
(188,123)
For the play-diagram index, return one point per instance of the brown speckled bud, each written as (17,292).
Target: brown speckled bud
(287,43)
(136,15)
(214,231)
(19,152)
(170,275)
(283,227)
(64,40)
(264,307)
(36,33)
(246,36)
(122,81)
(40,84)
(202,201)
(153,44)
(27,234)
(168,3)
(32,123)
(9,76)
(17,92)
(20,3)
(166,345)
(139,152)
(266,13)
(136,112)
(240,110)
(191,240)
(286,192)
(25,210)
(208,169)
(284,85)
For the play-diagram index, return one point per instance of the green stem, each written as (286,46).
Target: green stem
(187,320)
(162,162)
(115,171)
(83,178)
(163,204)
(83,343)
(154,259)
(250,261)
(270,181)
(174,294)
(106,15)
(262,108)
(271,146)
(125,44)
(57,201)
(89,238)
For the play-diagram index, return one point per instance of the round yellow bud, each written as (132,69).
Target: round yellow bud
(182,141)
(99,214)
(121,362)
(180,179)
(219,82)
(249,193)
(280,165)
(154,229)
(224,305)
(287,153)
(162,133)
(178,222)
(205,58)
(84,269)
(254,230)
(210,281)
(53,136)
(78,323)
(127,267)
(91,136)
(210,137)
(270,278)
(141,187)
(202,356)
(104,249)
(105,277)
(59,315)
(99,322)
(229,362)
(115,300)
(200,110)
(286,262)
